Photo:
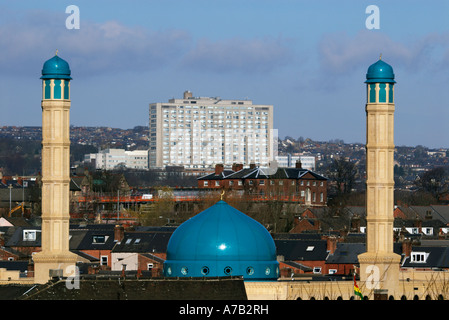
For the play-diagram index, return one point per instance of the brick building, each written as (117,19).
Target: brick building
(295,184)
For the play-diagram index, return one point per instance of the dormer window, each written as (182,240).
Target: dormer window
(29,235)
(99,239)
(418,257)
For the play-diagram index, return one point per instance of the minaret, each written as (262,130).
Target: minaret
(379,266)
(55,252)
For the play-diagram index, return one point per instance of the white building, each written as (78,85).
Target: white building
(201,132)
(109,159)
(289,161)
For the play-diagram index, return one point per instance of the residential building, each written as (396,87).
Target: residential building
(142,250)
(198,132)
(297,184)
(109,159)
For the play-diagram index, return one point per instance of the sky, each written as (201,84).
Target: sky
(306,58)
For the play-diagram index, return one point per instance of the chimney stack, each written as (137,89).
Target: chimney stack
(331,244)
(119,233)
(406,247)
(237,167)
(218,169)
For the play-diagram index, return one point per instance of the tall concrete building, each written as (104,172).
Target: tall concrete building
(55,254)
(201,132)
(379,266)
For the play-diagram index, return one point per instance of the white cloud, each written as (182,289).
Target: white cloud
(95,48)
(239,55)
(112,47)
(342,54)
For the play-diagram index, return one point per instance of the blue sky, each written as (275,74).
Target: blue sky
(307,58)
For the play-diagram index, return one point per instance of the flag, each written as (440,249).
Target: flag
(357,291)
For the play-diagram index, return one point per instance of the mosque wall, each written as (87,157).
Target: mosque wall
(414,285)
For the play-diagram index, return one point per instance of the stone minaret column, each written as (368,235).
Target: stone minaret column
(379,266)
(55,252)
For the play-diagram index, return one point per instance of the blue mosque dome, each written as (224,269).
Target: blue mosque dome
(380,72)
(222,241)
(56,68)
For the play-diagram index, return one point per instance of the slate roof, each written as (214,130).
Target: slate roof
(250,173)
(297,265)
(21,266)
(438,212)
(75,183)
(302,250)
(143,242)
(438,257)
(346,253)
(442,213)
(268,173)
(153,257)
(90,237)
(263,173)
(86,256)
(91,240)
(296,236)
(16,240)
(213,176)
(332,218)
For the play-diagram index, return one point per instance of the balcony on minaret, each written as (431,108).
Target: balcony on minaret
(56,89)
(380,93)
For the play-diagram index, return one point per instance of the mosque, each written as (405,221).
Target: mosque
(223,242)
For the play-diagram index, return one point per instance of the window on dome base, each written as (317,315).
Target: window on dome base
(205,270)
(228,270)
(267,271)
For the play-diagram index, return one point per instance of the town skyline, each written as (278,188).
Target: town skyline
(308,60)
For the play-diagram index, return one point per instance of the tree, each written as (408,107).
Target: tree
(434,181)
(343,174)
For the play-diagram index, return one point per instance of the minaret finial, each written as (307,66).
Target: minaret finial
(222,194)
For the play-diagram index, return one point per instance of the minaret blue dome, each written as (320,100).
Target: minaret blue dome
(221,241)
(56,68)
(380,71)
